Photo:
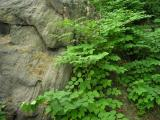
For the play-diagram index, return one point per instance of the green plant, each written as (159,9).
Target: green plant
(2,114)
(76,106)
(119,46)
(143,68)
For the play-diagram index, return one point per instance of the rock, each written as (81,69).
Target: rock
(26,35)
(29,50)
(34,13)
(41,14)
(26,69)
(70,8)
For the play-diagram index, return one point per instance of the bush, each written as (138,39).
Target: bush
(119,46)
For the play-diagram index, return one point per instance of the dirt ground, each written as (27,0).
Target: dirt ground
(129,109)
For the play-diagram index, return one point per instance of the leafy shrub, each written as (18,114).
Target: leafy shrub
(143,69)
(77,106)
(118,46)
(152,7)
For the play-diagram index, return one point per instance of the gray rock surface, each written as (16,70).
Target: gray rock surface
(41,14)
(27,70)
(31,12)
(28,50)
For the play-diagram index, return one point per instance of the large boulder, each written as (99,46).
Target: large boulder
(27,69)
(28,50)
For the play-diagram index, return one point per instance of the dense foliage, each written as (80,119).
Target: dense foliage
(122,45)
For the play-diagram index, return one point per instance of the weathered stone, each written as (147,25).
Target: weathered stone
(35,13)
(30,48)
(26,69)
(41,14)
(70,8)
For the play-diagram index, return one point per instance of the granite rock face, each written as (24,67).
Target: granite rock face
(27,69)
(41,14)
(28,50)
(30,12)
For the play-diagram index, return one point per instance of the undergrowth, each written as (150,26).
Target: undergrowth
(121,46)
(2,113)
